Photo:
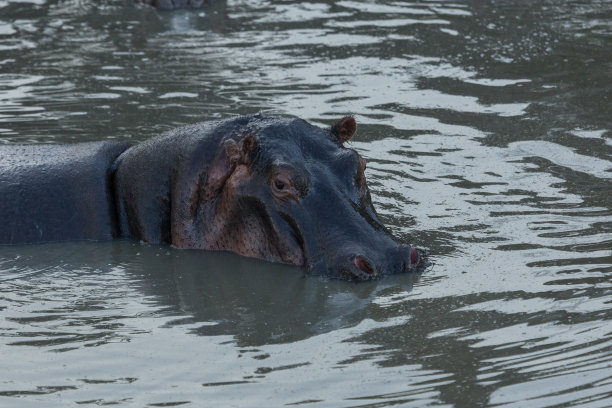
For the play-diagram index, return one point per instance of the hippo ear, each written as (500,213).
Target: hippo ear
(344,129)
(248,149)
(220,169)
(194,191)
(228,157)
(242,152)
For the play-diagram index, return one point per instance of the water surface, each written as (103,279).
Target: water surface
(486,125)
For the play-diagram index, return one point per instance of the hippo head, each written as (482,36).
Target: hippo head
(287,191)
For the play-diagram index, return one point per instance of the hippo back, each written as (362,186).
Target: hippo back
(57,192)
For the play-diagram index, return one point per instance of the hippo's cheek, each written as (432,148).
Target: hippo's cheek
(239,178)
(256,228)
(251,241)
(293,252)
(270,237)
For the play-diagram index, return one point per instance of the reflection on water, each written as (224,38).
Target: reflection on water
(486,127)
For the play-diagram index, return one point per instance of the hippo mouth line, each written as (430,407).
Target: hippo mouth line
(297,245)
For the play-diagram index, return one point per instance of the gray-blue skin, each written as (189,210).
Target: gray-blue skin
(54,193)
(271,188)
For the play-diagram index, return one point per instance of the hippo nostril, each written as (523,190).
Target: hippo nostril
(414,257)
(363,265)
(410,258)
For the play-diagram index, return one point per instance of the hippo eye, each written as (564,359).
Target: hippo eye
(283,187)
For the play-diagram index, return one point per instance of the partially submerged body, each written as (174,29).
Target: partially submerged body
(57,192)
(265,187)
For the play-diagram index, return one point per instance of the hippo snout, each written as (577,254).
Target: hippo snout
(362,267)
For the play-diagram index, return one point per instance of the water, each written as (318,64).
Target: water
(487,129)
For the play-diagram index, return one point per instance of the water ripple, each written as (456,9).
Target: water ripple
(487,132)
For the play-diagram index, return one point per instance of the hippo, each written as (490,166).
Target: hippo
(267,187)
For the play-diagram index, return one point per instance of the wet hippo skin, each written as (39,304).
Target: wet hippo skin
(57,192)
(271,188)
